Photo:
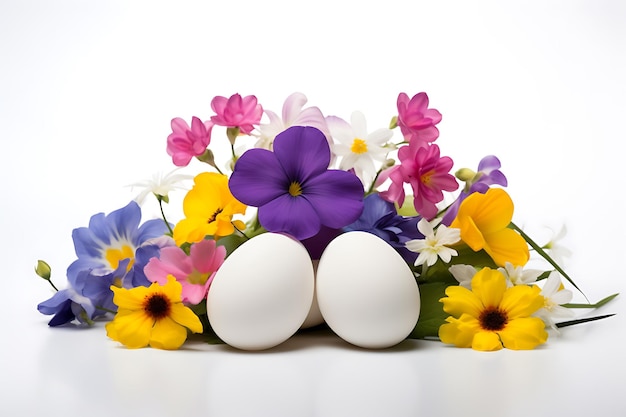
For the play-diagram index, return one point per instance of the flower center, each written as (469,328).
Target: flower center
(197,278)
(295,189)
(157,306)
(214,216)
(358,146)
(493,319)
(114,256)
(426,178)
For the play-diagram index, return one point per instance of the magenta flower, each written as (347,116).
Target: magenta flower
(184,142)
(195,271)
(427,173)
(236,111)
(293,188)
(417,122)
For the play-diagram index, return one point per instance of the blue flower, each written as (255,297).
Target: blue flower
(380,218)
(112,250)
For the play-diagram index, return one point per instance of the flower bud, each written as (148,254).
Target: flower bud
(393,123)
(465,174)
(43,270)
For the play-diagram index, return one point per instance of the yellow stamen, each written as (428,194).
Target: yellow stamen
(295,189)
(114,256)
(358,146)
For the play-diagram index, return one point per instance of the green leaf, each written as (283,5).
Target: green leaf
(596,305)
(544,255)
(585,320)
(432,315)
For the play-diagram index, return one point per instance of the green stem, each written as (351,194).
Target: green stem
(545,256)
(53,286)
(371,189)
(164,218)
(240,231)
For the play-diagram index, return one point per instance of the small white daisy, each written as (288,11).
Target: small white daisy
(434,244)
(517,275)
(161,185)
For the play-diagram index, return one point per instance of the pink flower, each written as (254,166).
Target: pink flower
(195,271)
(184,143)
(237,112)
(426,172)
(417,122)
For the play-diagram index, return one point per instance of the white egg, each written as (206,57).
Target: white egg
(314,318)
(262,293)
(366,292)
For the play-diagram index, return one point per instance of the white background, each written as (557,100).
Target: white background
(87,92)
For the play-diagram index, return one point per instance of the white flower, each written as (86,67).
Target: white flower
(293,115)
(434,243)
(554,296)
(558,252)
(464,274)
(357,148)
(516,275)
(160,185)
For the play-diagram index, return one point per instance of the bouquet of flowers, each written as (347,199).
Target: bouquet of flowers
(314,220)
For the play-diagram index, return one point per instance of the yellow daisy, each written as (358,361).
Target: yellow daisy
(209,208)
(491,316)
(152,316)
(484,223)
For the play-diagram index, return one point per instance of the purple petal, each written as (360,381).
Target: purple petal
(489,163)
(337,197)
(303,152)
(292,215)
(258,178)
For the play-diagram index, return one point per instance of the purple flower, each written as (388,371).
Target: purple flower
(488,174)
(380,218)
(293,188)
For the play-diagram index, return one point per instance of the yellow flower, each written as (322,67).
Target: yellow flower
(484,220)
(492,316)
(152,316)
(209,208)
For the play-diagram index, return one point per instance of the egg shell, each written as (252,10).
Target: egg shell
(262,293)
(366,292)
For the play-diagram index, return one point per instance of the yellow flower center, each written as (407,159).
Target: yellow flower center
(426,178)
(157,306)
(493,319)
(197,278)
(358,146)
(295,189)
(115,255)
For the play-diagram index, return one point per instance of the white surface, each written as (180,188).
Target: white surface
(87,91)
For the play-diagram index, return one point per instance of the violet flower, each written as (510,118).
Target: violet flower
(293,188)
(488,174)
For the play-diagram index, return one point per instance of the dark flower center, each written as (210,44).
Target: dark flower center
(157,306)
(295,189)
(493,319)
(214,216)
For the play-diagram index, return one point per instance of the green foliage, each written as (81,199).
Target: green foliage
(432,315)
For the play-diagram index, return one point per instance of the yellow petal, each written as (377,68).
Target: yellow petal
(505,246)
(167,334)
(524,333)
(129,299)
(186,317)
(130,328)
(172,289)
(489,286)
(459,332)
(521,301)
(460,300)
(486,341)
(491,211)
(470,233)
(191,229)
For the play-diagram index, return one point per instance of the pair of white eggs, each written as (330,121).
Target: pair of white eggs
(268,289)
